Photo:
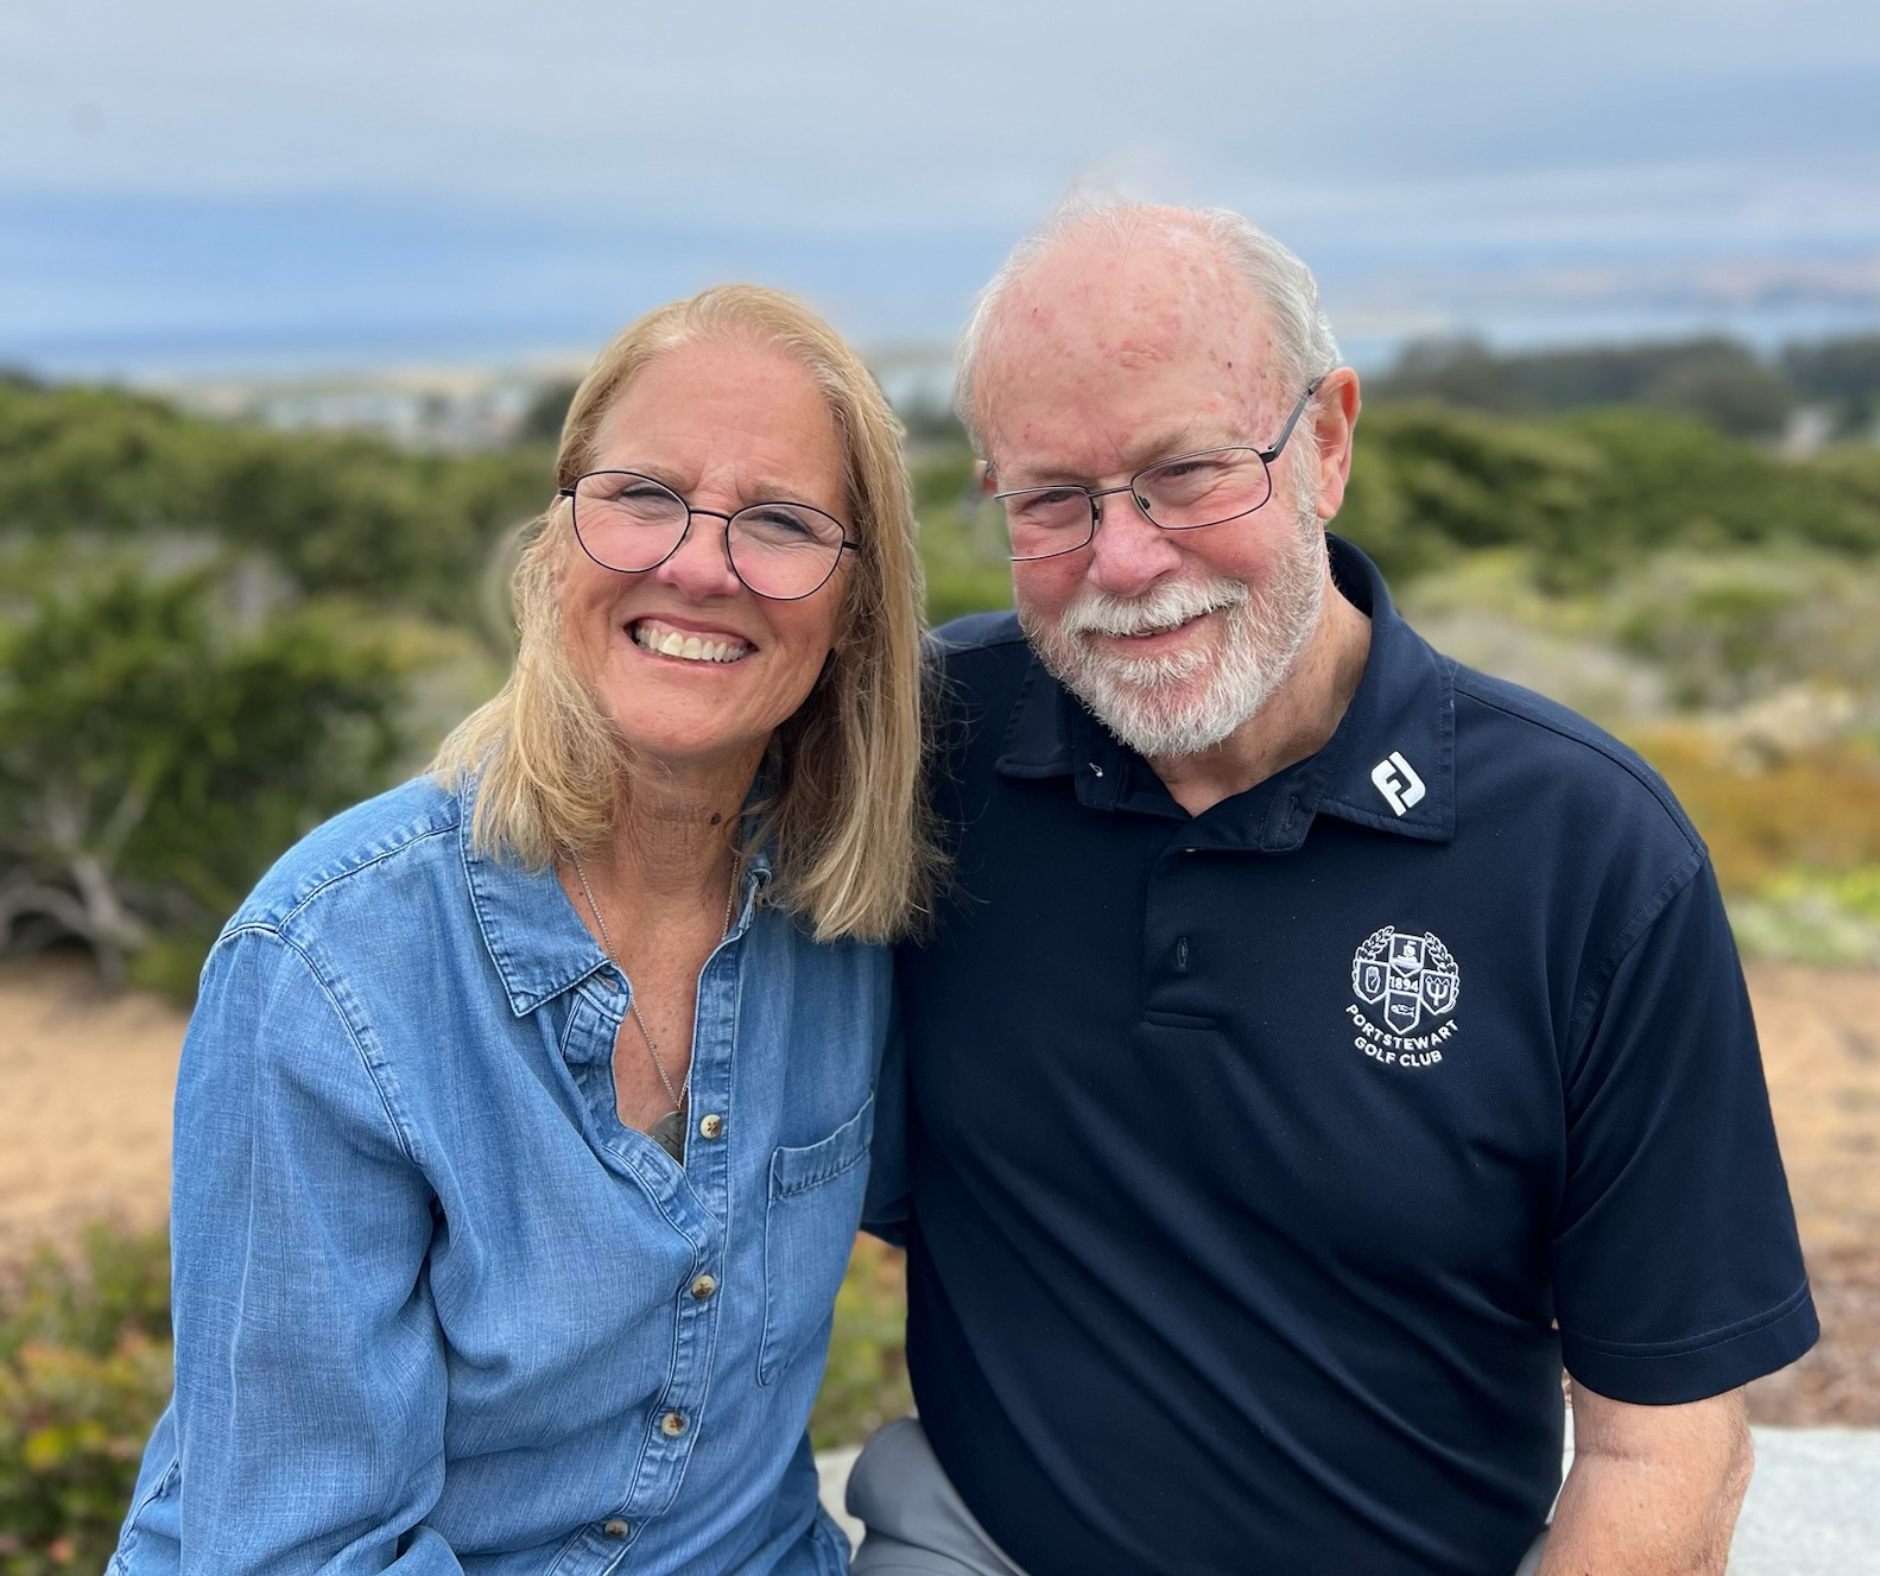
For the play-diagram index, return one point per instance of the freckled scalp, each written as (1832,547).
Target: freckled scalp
(1206,276)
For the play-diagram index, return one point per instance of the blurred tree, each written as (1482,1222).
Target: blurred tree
(931,422)
(1843,373)
(1714,379)
(156,755)
(1726,386)
(1456,371)
(541,423)
(333,513)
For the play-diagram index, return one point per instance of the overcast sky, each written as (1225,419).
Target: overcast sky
(214,183)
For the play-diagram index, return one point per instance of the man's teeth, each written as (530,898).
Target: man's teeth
(670,643)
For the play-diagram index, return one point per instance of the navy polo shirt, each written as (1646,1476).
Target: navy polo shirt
(1266,1165)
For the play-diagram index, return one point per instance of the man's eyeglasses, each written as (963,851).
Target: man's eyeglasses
(1182,494)
(629,522)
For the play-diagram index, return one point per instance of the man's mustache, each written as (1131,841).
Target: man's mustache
(1099,613)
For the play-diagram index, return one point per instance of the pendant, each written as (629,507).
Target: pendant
(669,1133)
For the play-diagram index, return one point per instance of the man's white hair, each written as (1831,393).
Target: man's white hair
(1302,344)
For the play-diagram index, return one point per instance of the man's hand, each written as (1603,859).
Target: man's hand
(1654,1490)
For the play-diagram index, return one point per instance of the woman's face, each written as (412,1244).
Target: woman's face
(723,424)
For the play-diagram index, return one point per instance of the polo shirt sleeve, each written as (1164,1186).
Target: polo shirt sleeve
(1677,1268)
(885,1209)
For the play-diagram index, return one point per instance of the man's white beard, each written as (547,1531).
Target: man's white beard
(1188,701)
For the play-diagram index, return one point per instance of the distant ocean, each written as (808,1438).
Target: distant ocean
(147,287)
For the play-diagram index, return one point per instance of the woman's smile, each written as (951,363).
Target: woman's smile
(662,639)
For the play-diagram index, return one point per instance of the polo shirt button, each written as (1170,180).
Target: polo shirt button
(615,1528)
(672,1425)
(703,1287)
(710,1125)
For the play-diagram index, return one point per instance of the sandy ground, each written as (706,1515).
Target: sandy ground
(86,1083)
(86,1080)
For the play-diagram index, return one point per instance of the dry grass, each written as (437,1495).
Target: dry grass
(1818,809)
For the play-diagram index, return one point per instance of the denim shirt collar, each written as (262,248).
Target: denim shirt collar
(535,938)
(1389,765)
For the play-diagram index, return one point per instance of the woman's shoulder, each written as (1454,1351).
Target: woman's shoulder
(407,833)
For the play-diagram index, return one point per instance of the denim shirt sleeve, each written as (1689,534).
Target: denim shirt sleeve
(310,1373)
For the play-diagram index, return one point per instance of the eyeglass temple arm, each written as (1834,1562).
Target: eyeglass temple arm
(1272,454)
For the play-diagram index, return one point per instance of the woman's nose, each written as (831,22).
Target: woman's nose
(701,564)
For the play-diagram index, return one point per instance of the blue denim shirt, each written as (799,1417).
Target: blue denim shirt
(436,1308)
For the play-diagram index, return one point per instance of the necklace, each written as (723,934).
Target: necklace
(669,1131)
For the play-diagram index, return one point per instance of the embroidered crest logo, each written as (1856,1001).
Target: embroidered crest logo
(1405,976)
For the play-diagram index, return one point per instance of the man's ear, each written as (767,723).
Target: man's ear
(1334,422)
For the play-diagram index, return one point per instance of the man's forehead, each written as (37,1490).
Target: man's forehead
(1127,307)
(1161,340)
(1146,289)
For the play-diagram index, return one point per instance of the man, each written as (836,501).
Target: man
(1324,1043)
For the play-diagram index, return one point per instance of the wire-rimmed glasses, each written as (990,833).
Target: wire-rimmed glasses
(631,523)
(1181,494)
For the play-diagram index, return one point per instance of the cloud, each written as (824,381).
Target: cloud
(476,160)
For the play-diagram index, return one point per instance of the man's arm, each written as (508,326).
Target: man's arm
(1653,1489)
(885,1208)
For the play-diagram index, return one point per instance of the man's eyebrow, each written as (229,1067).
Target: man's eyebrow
(1160,443)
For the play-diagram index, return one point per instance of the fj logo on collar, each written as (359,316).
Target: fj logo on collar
(1404,979)
(1396,779)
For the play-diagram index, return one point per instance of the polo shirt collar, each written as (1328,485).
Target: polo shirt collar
(1390,765)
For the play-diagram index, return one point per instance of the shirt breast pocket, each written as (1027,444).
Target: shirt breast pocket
(809,1228)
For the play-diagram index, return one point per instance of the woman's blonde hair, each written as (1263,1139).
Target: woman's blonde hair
(851,847)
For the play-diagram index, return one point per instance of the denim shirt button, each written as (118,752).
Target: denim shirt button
(672,1425)
(615,1528)
(703,1287)
(710,1125)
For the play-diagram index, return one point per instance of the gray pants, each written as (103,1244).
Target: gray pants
(918,1526)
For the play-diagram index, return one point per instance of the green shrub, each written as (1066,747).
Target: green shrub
(966,565)
(84,1371)
(85,1368)
(1828,918)
(865,1384)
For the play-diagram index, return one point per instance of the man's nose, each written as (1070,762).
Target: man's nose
(701,564)
(1129,553)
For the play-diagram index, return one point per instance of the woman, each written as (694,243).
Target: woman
(523,1121)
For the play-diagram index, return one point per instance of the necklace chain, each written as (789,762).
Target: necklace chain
(678,1096)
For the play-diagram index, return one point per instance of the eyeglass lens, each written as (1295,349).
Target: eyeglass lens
(1179,495)
(632,523)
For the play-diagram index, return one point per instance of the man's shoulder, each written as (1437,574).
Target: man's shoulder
(991,636)
(981,660)
(1553,753)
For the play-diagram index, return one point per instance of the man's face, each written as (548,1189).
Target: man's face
(1104,362)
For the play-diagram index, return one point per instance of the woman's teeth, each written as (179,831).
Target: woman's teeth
(671,643)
